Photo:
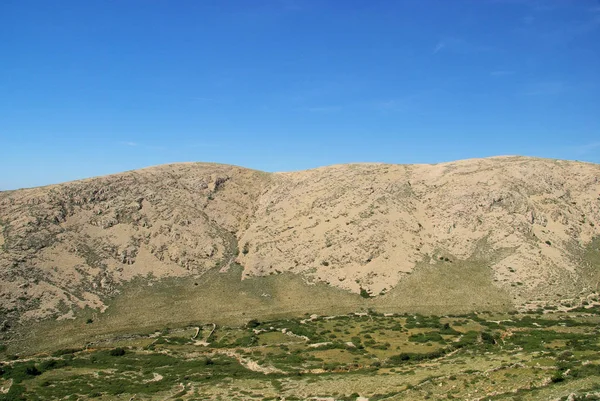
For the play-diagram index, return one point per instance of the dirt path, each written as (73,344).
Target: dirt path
(157,377)
(6,388)
(196,334)
(250,364)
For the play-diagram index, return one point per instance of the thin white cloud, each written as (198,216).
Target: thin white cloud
(138,145)
(439,47)
(459,45)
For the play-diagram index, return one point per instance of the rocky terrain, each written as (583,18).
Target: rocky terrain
(361,227)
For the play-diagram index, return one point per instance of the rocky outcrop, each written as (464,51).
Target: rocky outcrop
(358,227)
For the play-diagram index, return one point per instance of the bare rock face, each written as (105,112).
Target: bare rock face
(360,226)
(369,225)
(74,243)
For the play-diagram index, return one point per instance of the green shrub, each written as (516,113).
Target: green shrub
(51,364)
(446,329)
(20,371)
(252,323)
(426,337)
(488,338)
(117,352)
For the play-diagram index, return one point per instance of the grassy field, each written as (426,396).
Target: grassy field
(499,356)
(147,305)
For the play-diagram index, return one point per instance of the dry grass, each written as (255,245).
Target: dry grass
(516,366)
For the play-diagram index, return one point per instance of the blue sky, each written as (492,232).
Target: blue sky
(96,87)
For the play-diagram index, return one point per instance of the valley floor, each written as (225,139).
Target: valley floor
(363,356)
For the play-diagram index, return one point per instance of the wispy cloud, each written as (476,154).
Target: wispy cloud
(535,5)
(502,73)
(586,148)
(408,103)
(545,88)
(271,9)
(438,47)
(140,146)
(324,109)
(290,5)
(458,45)
(577,29)
(564,32)
(393,105)
(210,144)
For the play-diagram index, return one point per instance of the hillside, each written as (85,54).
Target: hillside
(521,228)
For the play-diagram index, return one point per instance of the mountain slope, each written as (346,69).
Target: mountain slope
(527,224)
(72,244)
(369,225)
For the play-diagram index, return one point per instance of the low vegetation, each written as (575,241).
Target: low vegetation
(499,356)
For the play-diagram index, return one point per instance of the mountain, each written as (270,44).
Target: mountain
(524,229)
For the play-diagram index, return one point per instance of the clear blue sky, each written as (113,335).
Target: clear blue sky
(95,87)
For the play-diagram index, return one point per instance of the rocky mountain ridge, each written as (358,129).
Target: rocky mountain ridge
(361,227)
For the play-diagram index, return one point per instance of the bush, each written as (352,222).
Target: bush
(446,329)
(32,371)
(53,364)
(488,338)
(117,352)
(252,324)
(426,337)
(246,341)
(403,357)
(469,338)
(356,342)
(20,372)
(66,351)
